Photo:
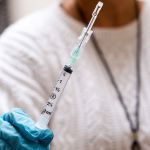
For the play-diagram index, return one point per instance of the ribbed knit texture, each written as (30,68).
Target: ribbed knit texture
(89,115)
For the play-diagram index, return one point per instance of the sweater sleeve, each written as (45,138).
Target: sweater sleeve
(24,72)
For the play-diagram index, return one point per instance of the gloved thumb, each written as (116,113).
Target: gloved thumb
(26,126)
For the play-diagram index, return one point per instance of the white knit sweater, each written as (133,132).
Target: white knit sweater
(89,115)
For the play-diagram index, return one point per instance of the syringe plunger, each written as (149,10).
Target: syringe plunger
(85,36)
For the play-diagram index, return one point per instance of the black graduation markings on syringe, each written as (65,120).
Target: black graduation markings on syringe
(53,96)
(57,89)
(49,104)
(46,112)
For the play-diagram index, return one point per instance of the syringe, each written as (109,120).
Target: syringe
(48,110)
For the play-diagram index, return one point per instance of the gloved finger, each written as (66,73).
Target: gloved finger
(10,139)
(4,145)
(26,126)
(9,134)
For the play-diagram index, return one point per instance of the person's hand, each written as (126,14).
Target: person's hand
(18,132)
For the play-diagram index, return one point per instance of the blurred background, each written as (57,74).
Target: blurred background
(12,10)
(24,7)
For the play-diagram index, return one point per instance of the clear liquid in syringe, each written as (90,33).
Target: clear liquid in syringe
(48,110)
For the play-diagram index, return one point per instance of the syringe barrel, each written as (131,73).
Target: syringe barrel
(48,110)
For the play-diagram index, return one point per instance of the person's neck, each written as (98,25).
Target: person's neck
(114,13)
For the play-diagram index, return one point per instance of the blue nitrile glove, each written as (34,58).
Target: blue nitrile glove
(18,132)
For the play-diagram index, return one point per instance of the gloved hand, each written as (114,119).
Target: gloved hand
(18,132)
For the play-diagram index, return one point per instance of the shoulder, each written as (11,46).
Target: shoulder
(38,38)
(40,27)
(145,13)
(34,24)
(145,23)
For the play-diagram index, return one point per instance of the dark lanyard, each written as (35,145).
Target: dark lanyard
(134,128)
